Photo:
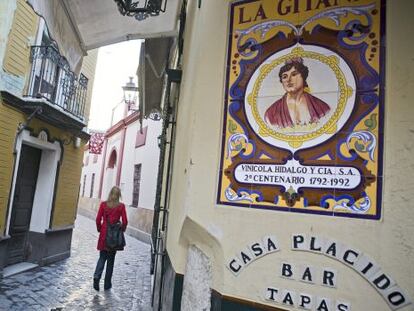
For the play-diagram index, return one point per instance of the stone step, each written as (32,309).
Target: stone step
(18,268)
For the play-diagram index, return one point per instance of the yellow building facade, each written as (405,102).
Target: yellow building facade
(44,109)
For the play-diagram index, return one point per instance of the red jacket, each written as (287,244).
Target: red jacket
(115,214)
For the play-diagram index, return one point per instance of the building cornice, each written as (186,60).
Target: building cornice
(49,113)
(121,124)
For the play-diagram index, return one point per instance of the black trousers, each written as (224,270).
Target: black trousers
(109,258)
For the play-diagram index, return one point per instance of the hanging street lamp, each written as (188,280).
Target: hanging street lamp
(130,93)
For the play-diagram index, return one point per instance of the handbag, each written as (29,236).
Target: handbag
(115,239)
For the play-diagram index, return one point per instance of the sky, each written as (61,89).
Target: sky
(115,64)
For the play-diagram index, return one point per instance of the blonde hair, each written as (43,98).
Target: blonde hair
(113,197)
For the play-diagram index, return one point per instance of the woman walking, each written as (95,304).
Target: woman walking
(112,210)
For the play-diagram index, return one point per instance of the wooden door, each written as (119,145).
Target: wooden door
(23,202)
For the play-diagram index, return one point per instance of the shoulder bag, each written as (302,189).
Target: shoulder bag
(115,239)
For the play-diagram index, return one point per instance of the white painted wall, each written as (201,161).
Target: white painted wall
(109,179)
(128,162)
(88,170)
(197,281)
(146,155)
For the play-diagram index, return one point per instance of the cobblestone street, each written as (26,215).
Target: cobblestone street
(67,285)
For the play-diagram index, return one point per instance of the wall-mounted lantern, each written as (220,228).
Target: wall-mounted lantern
(141,9)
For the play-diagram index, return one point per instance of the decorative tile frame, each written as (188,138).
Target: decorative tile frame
(325,161)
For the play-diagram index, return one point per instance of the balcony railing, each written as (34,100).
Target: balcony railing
(52,79)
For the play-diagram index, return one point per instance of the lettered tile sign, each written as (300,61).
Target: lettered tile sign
(303,107)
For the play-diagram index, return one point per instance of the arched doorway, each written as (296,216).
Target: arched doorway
(110,173)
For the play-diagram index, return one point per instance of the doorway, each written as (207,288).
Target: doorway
(24,193)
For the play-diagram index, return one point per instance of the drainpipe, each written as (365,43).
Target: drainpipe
(160,208)
(165,208)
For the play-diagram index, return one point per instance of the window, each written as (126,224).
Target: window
(79,100)
(87,160)
(46,69)
(137,184)
(46,39)
(112,159)
(84,184)
(141,137)
(92,184)
(51,77)
(95,158)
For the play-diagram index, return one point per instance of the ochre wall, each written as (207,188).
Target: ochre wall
(16,59)
(222,231)
(88,69)
(16,63)
(69,174)
(9,119)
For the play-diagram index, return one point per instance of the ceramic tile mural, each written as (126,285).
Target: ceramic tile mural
(303,120)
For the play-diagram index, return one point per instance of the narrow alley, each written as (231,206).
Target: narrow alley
(67,285)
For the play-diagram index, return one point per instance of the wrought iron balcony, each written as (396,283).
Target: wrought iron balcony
(52,79)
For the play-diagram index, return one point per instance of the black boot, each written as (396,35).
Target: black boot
(96,284)
(107,285)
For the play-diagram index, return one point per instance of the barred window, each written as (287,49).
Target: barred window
(92,184)
(137,185)
(84,184)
